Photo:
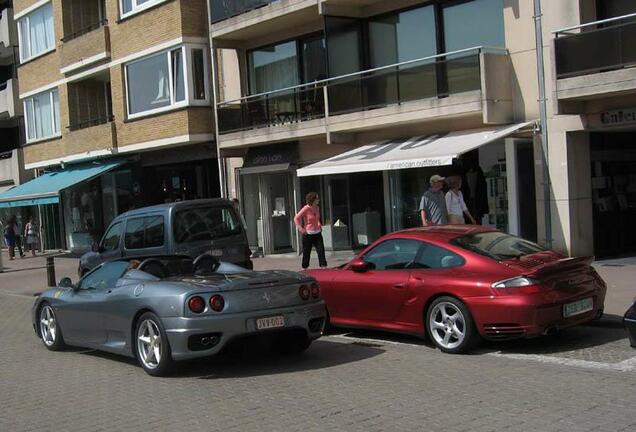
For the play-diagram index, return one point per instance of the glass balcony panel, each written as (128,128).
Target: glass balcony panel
(463,74)
(224,9)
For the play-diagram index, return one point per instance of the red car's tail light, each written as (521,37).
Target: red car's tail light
(519,285)
(304,292)
(196,304)
(217,303)
(315,290)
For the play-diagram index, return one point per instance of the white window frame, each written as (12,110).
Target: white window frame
(187,65)
(29,114)
(137,8)
(22,42)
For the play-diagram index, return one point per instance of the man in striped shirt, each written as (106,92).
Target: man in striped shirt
(433,203)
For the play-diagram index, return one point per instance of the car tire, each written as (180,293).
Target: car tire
(49,328)
(292,344)
(451,326)
(151,345)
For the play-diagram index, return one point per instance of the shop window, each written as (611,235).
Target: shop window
(42,115)
(36,32)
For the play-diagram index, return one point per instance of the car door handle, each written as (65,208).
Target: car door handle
(399,285)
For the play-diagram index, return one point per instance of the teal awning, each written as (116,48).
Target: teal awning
(46,188)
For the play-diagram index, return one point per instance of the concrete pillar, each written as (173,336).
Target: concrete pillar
(571,192)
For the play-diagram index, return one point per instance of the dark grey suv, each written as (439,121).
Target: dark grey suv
(183,228)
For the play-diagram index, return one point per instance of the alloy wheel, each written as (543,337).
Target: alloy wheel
(447,325)
(149,345)
(48,326)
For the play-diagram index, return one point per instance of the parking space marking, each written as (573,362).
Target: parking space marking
(628,365)
(372,340)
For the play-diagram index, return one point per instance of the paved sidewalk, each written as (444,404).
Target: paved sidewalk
(28,275)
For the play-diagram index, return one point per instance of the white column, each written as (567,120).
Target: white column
(512,180)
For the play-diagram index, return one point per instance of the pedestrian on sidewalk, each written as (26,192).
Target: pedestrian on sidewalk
(18,237)
(433,203)
(455,203)
(307,221)
(9,236)
(31,236)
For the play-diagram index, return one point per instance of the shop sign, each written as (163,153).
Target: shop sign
(286,153)
(620,116)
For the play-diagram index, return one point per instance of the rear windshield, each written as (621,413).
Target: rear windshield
(205,223)
(497,245)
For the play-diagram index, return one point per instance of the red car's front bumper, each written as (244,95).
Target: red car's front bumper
(526,315)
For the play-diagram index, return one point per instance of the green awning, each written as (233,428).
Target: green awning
(46,188)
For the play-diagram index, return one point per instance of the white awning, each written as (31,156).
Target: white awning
(417,152)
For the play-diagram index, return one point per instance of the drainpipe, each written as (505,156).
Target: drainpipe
(215,97)
(544,121)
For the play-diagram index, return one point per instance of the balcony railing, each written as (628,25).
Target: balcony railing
(596,47)
(223,9)
(90,122)
(435,76)
(89,28)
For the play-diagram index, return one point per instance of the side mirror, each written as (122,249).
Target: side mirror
(359,266)
(65,283)
(96,248)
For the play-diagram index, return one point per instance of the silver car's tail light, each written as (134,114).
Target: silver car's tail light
(315,290)
(196,304)
(304,291)
(217,303)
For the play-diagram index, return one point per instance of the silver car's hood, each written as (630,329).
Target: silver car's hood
(242,281)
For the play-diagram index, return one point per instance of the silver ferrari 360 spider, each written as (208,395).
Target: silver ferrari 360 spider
(166,309)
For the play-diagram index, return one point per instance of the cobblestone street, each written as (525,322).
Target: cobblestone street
(582,379)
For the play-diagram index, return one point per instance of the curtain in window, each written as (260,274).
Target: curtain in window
(162,87)
(41,32)
(43,118)
(25,46)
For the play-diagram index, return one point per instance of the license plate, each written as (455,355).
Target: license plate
(270,322)
(578,307)
(216,252)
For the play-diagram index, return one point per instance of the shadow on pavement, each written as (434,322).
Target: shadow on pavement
(257,359)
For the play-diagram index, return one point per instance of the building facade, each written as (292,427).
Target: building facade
(117,103)
(362,101)
(12,171)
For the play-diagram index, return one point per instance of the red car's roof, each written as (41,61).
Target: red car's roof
(444,232)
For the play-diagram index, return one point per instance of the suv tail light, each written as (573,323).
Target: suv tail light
(217,303)
(304,291)
(315,290)
(196,304)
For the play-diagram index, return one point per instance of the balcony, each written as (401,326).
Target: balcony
(10,171)
(10,105)
(97,134)
(243,21)
(596,59)
(473,82)
(84,47)
(8,33)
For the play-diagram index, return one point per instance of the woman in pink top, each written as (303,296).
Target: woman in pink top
(307,221)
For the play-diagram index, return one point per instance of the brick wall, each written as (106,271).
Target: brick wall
(85,46)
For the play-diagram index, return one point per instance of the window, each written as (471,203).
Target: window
(111,239)
(131,7)
(104,276)
(198,74)
(498,245)
(166,80)
(205,224)
(273,67)
(475,23)
(42,115)
(435,257)
(395,254)
(142,233)
(36,32)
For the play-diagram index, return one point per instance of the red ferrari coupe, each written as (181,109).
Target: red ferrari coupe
(458,283)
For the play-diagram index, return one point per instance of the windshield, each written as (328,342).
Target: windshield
(497,245)
(205,223)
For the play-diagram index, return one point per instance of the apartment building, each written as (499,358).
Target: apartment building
(362,101)
(117,101)
(11,135)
